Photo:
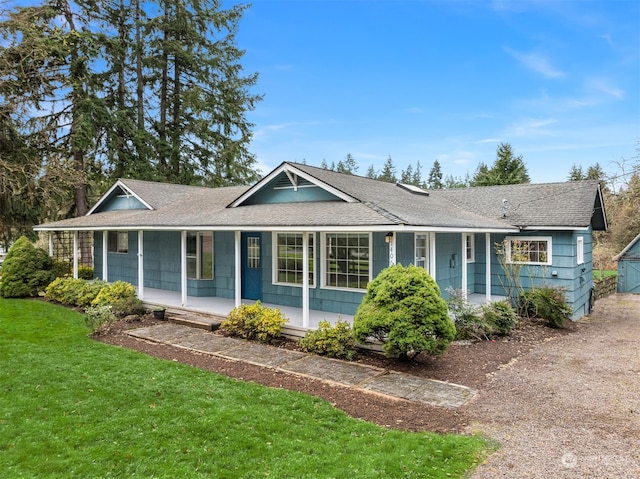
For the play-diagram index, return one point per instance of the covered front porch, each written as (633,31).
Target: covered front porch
(221,307)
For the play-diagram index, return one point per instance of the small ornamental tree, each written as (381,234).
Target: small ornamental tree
(26,270)
(404,310)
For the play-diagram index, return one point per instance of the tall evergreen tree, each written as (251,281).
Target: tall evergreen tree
(575,173)
(507,169)
(435,177)
(388,172)
(348,166)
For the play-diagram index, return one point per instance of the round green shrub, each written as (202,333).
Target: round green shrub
(548,303)
(254,321)
(334,341)
(26,270)
(404,310)
(501,316)
(114,292)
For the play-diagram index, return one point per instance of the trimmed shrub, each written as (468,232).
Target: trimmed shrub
(501,316)
(26,270)
(254,322)
(469,320)
(333,341)
(85,272)
(115,292)
(74,292)
(98,316)
(547,303)
(127,306)
(403,309)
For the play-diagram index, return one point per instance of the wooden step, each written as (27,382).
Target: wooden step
(210,323)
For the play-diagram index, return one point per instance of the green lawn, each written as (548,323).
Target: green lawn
(601,274)
(72,407)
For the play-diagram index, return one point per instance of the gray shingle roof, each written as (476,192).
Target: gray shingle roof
(378,204)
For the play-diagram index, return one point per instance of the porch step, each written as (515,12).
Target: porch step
(208,322)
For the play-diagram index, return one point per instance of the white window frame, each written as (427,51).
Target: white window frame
(312,258)
(122,242)
(198,255)
(323,259)
(425,258)
(547,239)
(580,249)
(470,247)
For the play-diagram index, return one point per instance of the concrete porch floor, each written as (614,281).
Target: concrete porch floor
(223,306)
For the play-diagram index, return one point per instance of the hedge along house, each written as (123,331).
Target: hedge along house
(629,267)
(309,239)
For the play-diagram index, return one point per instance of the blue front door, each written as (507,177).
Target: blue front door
(251,266)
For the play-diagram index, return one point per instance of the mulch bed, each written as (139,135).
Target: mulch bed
(469,364)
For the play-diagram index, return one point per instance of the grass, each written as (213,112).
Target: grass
(601,274)
(73,407)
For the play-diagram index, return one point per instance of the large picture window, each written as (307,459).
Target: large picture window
(118,242)
(289,259)
(346,260)
(529,250)
(200,255)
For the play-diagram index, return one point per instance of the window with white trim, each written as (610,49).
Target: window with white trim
(346,260)
(580,249)
(529,250)
(422,250)
(288,259)
(118,242)
(199,255)
(470,240)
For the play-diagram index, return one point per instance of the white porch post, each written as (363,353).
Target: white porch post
(51,245)
(140,264)
(432,255)
(464,266)
(238,265)
(487,268)
(75,254)
(183,268)
(105,250)
(305,280)
(392,248)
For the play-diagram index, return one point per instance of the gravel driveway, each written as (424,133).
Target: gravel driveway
(569,408)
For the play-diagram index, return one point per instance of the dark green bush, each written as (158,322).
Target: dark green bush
(333,341)
(547,303)
(501,316)
(254,322)
(85,272)
(26,270)
(61,269)
(403,309)
(127,306)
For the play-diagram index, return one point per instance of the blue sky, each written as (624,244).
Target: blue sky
(420,80)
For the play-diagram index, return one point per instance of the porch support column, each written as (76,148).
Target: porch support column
(238,265)
(432,255)
(487,268)
(464,266)
(183,268)
(141,264)
(75,254)
(105,250)
(51,244)
(305,280)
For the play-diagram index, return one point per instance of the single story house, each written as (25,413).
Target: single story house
(310,239)
(629,267)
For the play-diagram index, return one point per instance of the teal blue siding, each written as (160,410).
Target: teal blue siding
(405,249)
(119,201)
(629,270)
(279,190)
(448,261)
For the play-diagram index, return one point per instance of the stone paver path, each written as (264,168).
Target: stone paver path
(368,378)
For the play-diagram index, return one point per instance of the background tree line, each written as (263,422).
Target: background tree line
(93,90)
(620,189)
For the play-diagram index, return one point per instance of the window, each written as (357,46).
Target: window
(421,250)
(346,261)
(118,242)
(580,250)
(470,247)
(529,250)
(288,257)
(199,255)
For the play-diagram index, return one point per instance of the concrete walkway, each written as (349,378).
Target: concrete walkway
(380,381)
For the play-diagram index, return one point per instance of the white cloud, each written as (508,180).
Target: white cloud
(536,62)
(530,127)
